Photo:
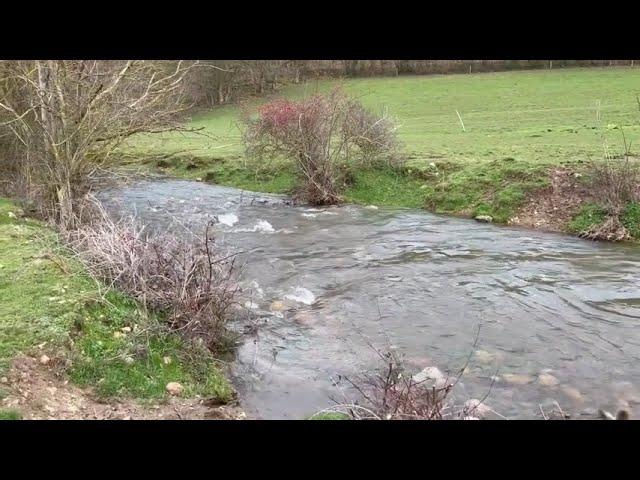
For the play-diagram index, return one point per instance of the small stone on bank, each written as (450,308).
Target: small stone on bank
(4,380)
(166,360)
(174,388)
(483,218)
(44,360)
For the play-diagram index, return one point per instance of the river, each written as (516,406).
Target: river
(328,285)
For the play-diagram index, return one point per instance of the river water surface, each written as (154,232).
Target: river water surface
(325,285)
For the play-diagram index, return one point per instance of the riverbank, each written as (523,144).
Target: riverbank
(515,146)
(69,349)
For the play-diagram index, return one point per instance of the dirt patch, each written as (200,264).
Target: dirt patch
(553,208)
(40,392)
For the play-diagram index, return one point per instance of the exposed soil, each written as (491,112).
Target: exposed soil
(42,392)
(552,208)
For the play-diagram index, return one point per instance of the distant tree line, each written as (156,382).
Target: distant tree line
(237,79)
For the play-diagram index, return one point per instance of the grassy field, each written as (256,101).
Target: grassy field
(516,125)
(47,300)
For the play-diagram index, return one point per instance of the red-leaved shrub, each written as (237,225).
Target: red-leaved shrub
(322,134)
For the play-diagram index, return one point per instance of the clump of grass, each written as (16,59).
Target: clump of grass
(141,362)
(10,415)
(631,219)
(589,216)
(329,416)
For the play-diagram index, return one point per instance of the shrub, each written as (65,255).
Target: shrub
(322,135)
(191,283)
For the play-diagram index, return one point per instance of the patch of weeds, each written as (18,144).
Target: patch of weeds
(121,352)
(330,416)
(589,216)
(631,219)
(385,187)
(10,415)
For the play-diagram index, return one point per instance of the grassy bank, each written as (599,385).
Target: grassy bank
(512,129)
(49,306)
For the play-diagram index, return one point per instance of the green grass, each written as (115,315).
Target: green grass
(517,125)
(45,296)
(589,216)
(631,219)
(592,215)
(330,416)
(10,415)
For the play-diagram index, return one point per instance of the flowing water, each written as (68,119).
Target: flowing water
(327,285)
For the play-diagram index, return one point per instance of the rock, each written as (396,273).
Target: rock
(276,306)
(371,207)
(174,388)
(11,215)
(166,360)
(483,356)
(129,360)
(303,318)
(431,377)
(573,393)
(474,407)
(547,380)
(44,360)
(622,415)
(4,380)
(125,329)
(517,379)
(483,218)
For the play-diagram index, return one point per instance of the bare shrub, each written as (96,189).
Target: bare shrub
(392,393)
(374,136)
(321,134)
(191,283)
(615,183)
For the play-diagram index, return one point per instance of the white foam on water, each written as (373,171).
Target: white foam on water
(229,219)
(255,286)
(310,215)
(302,295)
(263,226)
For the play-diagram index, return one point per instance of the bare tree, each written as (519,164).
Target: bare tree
(66,117)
